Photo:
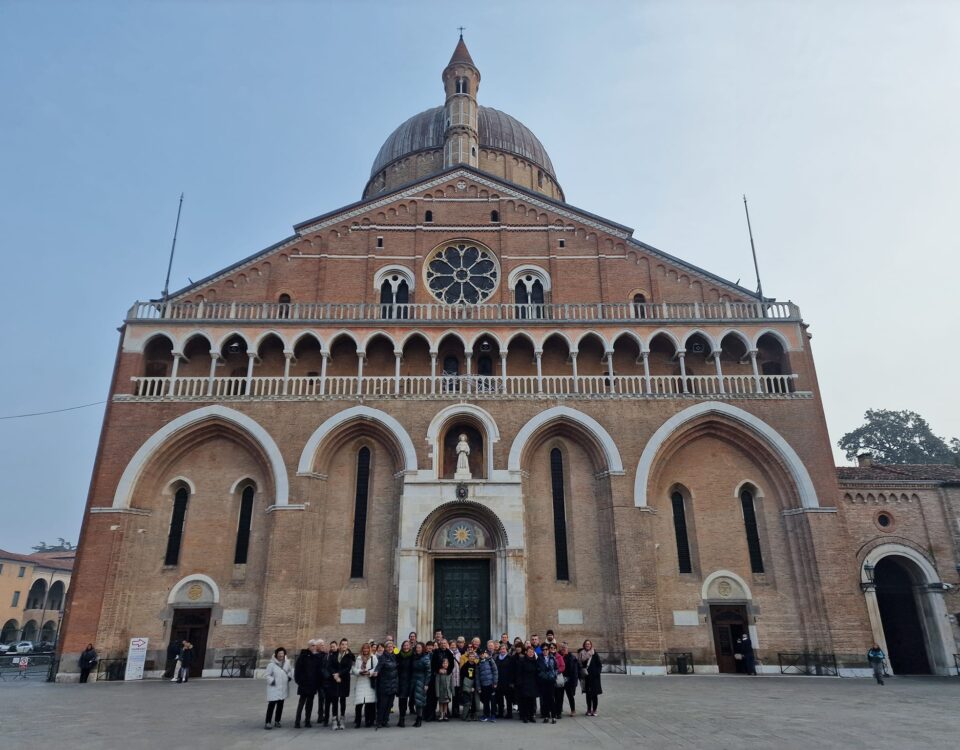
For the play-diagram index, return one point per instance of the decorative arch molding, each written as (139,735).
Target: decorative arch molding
(162,333)
(124,493)
(243,481)
(361,414)
(470,509)
(178,586)
(530,270)
(394,269)
(708,581)
(565,413)
(777,335)
(756,426)
(449,413)
(894,549)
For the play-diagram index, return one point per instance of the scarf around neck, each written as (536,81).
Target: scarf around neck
(586,656)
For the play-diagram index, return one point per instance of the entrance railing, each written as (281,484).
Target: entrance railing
(111,670)
(238,666)
(808,664)
(678,662)
(24,666)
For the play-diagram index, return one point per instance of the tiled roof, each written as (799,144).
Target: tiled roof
(899,473)
(51,560)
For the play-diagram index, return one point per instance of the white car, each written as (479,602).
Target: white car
(4,647)
(20,647)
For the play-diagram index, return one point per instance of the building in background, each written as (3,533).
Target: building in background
(463,403)
(33,591)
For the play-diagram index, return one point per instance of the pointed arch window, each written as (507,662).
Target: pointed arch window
(753,534)
(495,216)
(559,515)
(394,296)
(360,513)
(529,297)
(243,526)
(283,306)
(177,519)
(639,306)
(684,561)
(428,217)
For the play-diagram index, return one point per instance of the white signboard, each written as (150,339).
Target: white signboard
(136,658)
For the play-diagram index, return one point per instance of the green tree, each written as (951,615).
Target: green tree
(899,437)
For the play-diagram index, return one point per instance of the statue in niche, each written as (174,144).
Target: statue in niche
(463,459)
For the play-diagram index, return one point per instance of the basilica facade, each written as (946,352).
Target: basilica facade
(463,403)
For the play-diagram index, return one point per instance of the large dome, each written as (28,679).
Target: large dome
(497,130)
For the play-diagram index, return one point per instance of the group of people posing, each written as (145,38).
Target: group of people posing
(434,680)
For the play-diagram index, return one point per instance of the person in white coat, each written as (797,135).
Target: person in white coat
(365,697)
(279,676)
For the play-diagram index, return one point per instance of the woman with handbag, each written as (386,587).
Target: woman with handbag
(591,667)
(571,674)
(560,681)
(279,675)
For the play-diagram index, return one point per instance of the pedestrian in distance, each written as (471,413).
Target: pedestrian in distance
(88,660)
(279,674)
(186,661)
(590,668)
(749,659)
(306,673)
(876,657)
(173,654)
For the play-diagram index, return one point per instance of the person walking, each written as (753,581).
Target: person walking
(506,676)
(186,661)
(173,653)
(591,667)
(422,672)
(305,674)
(749,658)
(388,683)
(88,660)
(571,673)
(488,678)
(547,683)
(405,681)
(526,685)
(279,674)
(365,698)
(876,658)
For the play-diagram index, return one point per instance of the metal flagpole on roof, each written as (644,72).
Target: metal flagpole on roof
(173,246)
(753,249)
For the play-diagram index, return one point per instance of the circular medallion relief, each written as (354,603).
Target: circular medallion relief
(462,272)
(195,592)
(461,534)
(725,589)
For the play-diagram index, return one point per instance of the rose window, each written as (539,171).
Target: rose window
(462,273)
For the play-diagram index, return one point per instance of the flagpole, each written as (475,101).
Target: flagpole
(173,246)
(753,249)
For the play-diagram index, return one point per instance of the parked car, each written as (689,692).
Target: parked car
(45,647)
(4,647)
(21,647)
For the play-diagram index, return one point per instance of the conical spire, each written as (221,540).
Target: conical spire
(461,54)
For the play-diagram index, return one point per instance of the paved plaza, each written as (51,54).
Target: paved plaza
(654,712)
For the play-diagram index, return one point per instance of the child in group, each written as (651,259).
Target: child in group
(444,689)
(470,687)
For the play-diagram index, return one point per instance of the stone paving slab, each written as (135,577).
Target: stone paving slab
(660,713)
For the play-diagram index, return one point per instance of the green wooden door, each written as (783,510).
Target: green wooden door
(461,598)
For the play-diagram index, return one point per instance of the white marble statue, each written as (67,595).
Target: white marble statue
(463,460)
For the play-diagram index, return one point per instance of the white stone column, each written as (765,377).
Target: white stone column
(683,370)
(756,377)
(360,357)
(397,356)
(251,357)
(576,375)
(516,589)
(716,361)
(324,358)
(538,355)
(214,356)
(613,387)
(173,374)
(433,373)
(503,370)
(287,359)
(646,372)
(408,585)
(467,357)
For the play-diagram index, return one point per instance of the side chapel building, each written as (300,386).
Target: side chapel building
(649,464)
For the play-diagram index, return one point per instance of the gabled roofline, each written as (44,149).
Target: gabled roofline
(576,214)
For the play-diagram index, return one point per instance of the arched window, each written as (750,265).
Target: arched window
(360,513)
(176,527)
(684,562)
(283,306)
(243,526)
(539,178)
(753,535)
(394,296)
(529,297)
(462,86)
(639,306)
(428,217)
(559,515)
(494,216)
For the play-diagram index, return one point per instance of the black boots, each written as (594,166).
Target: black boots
(359,713)
(418,722)
(402,723)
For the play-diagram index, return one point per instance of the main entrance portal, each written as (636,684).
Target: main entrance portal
(461,597)
(192,625)
(897,601)
(729,623)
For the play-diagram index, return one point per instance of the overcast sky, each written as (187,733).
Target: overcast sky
(838,119)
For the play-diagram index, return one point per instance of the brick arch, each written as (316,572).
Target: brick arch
(599,443)
(379,422)
(248,430)
(473,510)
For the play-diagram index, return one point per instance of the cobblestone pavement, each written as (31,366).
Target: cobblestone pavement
(652,712)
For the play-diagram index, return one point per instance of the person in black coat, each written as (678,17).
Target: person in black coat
(526,685)
(173,651)
(405,681)
(186,661)
(571,671)
(305,674)
(322,659)
(340,664)
(388,683)
(88,660)
(591,667)
(506,662)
